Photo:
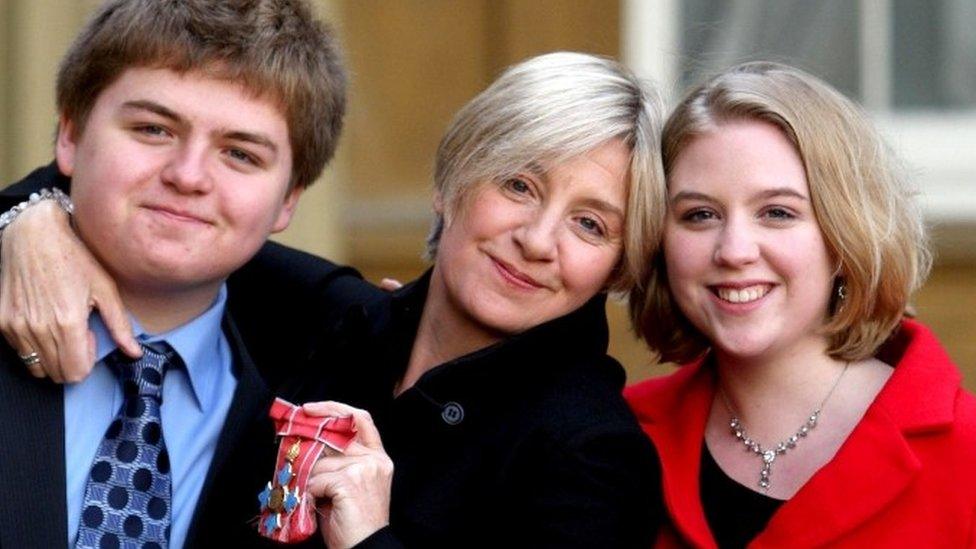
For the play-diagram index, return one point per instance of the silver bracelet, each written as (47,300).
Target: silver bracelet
(55,194)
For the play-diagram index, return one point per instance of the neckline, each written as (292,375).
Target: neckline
(710,465)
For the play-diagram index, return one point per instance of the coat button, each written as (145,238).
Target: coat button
(452,413)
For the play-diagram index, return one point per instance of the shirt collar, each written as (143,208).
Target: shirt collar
(197,343)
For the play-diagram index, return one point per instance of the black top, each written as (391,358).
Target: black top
(734,513)
(525,443)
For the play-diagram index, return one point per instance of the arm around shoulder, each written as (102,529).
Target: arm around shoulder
(286,295)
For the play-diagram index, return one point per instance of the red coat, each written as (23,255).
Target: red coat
(905,477)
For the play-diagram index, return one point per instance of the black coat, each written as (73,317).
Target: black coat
(525,443)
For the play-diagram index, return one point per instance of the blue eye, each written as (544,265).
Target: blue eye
(152,130)
(518,185)
(518,189)
(698,215)
(592,226)
(239,155)
(778,213)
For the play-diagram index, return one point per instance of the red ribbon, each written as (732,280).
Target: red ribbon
(287,510)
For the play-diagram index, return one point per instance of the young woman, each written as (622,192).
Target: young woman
(487,378)
(809,411)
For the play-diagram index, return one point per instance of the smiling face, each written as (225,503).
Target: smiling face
(746,260)
(177,179)
(525,251)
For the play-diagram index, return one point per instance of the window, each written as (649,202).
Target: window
(910,63)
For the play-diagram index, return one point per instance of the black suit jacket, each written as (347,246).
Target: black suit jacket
(32,469)
(270,355)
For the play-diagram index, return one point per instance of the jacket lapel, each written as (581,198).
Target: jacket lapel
(228,500)
(33,511)
(685,394)
(876,463)
(871,469)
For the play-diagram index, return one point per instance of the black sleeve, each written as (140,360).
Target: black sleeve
(286,303)
(44,177)
(380,539)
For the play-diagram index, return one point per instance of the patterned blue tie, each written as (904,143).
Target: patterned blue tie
(127,499)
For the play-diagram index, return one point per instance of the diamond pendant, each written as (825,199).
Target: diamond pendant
(769,455)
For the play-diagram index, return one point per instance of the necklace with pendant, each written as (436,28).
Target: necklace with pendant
(769,454)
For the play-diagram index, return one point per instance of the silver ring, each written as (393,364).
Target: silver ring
(31,359)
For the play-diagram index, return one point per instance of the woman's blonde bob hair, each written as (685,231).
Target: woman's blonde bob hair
(548,109)
(865,210)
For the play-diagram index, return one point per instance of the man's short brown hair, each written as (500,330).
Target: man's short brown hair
(274,48)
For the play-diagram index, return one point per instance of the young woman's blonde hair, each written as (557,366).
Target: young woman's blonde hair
(870,223)
(548,109)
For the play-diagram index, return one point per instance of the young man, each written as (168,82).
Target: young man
(187,133)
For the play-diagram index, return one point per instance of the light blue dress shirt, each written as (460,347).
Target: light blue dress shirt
(195,404)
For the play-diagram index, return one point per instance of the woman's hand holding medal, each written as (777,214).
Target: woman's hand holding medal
(352,488)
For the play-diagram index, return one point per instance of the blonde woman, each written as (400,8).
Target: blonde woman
(809,411)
